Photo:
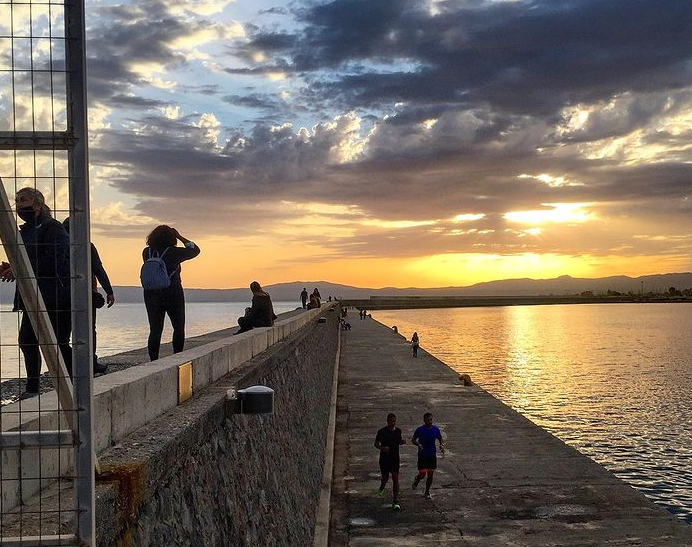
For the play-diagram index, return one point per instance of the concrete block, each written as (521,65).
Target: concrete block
(239,351)
(201,371)
(139,401)
(220,364)
(259,340)
(102,419)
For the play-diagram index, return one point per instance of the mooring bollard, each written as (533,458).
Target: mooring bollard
(465,380)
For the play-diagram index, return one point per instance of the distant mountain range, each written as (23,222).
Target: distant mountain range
(558,286)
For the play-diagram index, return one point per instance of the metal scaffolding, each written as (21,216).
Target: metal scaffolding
(46,441)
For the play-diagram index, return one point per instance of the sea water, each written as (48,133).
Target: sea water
(612,380)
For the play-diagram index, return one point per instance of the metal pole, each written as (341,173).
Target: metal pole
(80,265)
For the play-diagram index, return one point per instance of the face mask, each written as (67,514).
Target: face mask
(26,213)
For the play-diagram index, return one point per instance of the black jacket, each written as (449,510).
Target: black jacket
(48,247)
(262,311)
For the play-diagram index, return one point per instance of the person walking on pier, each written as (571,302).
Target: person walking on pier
(424,438)
(304,297)
(415,343)
(387,441)
(163,287)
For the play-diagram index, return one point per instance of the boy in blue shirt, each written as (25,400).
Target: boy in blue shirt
(424,438)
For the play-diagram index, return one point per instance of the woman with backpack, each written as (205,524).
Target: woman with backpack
(163,288)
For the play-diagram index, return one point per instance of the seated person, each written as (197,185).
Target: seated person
(261,313)
(314,302)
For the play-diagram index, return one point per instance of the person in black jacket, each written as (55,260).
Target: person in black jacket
(162,241)
(99,274)
(261,314)
(48,248)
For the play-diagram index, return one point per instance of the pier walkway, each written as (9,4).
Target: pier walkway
(504,481)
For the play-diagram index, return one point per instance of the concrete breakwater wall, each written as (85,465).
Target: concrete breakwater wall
(197,477)
(178,471)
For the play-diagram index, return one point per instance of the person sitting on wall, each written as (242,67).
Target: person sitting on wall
(261,313)
(314,302)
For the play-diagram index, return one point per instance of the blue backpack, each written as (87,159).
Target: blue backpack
(154,274)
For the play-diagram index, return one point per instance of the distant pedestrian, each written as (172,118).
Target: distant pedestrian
(304,297)
(424,438)
(162,259)
(99,275)
(318,298)
(261,313)
(314,302)
(415,344)
(387,441)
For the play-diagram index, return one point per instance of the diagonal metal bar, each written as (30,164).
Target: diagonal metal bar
(36,140)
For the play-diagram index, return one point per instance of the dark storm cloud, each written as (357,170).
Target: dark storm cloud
(134,101)
(527,57)
(481,86)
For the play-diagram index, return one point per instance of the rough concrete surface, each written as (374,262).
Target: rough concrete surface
(504,481)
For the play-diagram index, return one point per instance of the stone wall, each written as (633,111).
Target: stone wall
(197,477)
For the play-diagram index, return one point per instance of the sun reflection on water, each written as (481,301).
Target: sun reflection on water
(612,380)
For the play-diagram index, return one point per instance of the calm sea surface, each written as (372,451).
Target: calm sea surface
(612,380)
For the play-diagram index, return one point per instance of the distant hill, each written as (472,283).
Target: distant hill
(287,292)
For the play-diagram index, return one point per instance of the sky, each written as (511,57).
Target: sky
(392,143)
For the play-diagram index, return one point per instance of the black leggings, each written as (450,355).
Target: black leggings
(62,325)
(159,303)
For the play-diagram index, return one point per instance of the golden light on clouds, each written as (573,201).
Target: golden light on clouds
(550,180)
(468,217)
(559,213)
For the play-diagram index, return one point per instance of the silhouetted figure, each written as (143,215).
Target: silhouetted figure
(260,314)
(304,297)
(318,298)
(162,258)
(97,301)
(415,343)
(47,245)
(314,302)
(387,441)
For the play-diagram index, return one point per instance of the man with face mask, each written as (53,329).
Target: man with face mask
(48,248)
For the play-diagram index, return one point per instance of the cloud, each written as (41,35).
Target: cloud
(428,121)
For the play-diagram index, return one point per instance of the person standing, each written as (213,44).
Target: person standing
(48,248)
(97,301)
(415,343)
(387,441)
(162,252)
(424,438)
(304,297)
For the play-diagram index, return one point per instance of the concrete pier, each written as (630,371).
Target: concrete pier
(504,481)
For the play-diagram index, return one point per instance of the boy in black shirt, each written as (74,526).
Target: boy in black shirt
(387,442)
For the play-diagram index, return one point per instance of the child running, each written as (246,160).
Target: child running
(424,438)
(387,442)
